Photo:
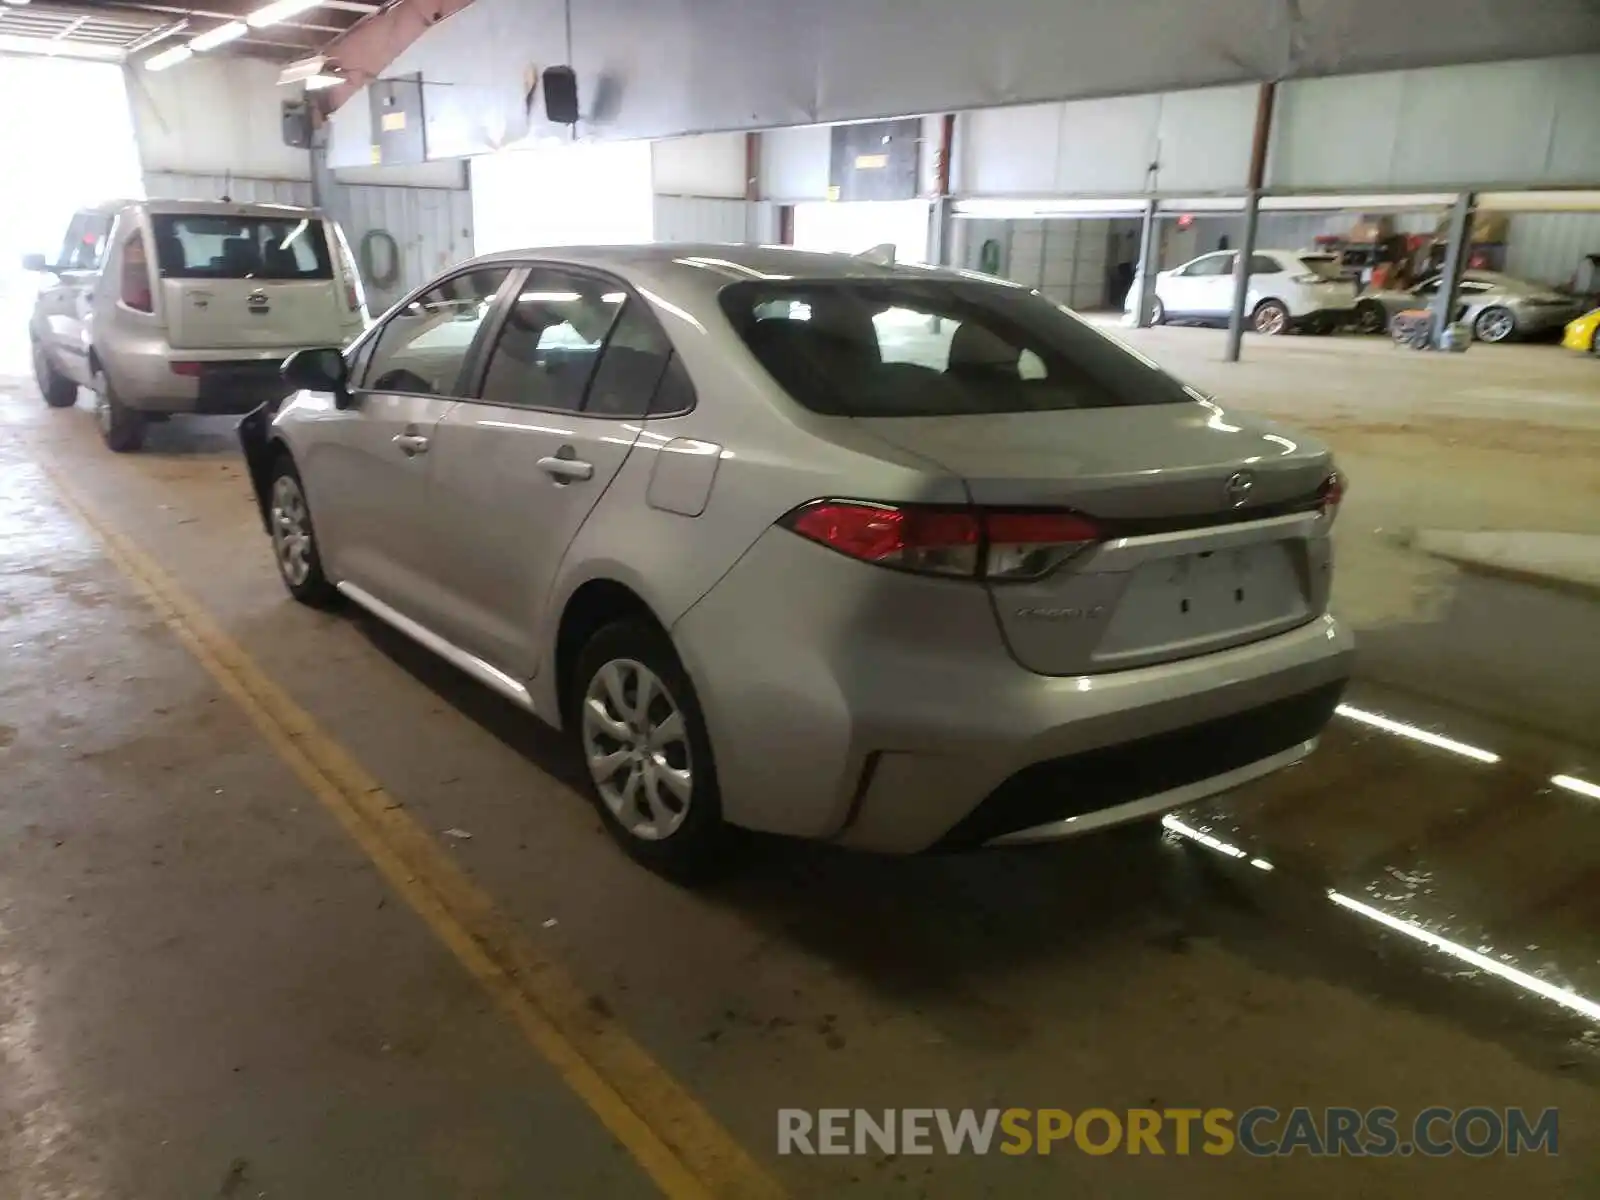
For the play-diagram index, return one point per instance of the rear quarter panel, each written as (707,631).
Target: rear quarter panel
(773,457)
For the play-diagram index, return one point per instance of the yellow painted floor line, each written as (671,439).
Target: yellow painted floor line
(677,1143)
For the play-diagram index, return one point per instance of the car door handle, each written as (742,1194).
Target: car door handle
(411,444)
(563,470)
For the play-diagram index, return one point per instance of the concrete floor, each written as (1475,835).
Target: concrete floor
(206,989)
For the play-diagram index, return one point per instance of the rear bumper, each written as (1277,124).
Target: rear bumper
(227,383)
(884,712)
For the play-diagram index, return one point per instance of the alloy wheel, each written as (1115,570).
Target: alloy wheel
(291,530)
(1271,319)
(1496,325)
(636,744)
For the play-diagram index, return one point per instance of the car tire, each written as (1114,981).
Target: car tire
(294,538)
(1372,318)
(1495,324)
(651,773)
(1271,317)
(122,428)
(1158,311)
(57,389)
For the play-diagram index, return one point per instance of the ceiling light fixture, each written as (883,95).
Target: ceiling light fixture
(168,58)
(282,10)
(316,83)
(212,38)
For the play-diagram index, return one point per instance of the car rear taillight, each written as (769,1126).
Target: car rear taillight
(189,370)
(1331,495)
(968,543)
(352,298)
(135,290)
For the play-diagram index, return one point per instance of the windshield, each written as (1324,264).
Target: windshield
(935,347)
(212,246)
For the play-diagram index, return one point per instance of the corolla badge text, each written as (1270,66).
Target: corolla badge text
(1092,613)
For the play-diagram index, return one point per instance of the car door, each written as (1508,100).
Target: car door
(366,468)
(518,467)
(66,303)
(1214,286)
(1184,292)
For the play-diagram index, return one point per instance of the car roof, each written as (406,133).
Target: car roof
(229,208)
(730,262)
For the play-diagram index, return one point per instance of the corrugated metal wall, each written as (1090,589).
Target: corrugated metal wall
(431,228)
(702,219)
(1550,246)
(175,185)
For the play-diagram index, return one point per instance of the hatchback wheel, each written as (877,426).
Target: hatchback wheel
(648,756)
(121,427)
(57,389)
(1494,325)
(1271,318)
(294,539)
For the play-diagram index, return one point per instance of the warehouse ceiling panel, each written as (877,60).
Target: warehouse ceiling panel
(131,30)
(649,68)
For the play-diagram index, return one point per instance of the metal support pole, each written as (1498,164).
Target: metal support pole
(1448,296)
(1252,209)
(1241,275)
(1145,280)
(939,234)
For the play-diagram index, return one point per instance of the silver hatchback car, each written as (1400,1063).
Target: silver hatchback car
(895,557)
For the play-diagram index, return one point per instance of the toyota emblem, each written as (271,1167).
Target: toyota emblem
(1238,487)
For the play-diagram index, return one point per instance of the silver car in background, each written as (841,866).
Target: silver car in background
(894,557)
(1496,306)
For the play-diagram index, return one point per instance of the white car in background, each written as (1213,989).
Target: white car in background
(1288,290)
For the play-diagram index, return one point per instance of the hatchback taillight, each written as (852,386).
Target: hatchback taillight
(968,543)
(1331,495)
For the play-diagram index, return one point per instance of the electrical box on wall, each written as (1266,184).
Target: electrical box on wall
(875,160)
(398,136)
(297,124)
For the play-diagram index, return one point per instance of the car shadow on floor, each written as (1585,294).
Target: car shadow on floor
(942,934)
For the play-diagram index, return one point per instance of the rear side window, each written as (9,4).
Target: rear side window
(551,341)
(935,347)
(1260,264)
(632,367)
(215,246)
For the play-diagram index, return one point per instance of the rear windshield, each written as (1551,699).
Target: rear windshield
(210,246)
(935,347)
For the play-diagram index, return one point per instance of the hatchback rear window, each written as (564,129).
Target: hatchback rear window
(213,246)
(936,347)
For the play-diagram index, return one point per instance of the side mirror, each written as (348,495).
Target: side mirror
(321,369)
(34,262)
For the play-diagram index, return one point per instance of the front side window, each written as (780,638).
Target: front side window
(925,347)
(422,347)
(85,245)
(216,246)
(551,340)
(1211,264)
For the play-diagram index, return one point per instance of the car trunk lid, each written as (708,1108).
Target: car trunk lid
(1211,530)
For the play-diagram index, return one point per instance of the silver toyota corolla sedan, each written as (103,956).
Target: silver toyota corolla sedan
(894,557)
